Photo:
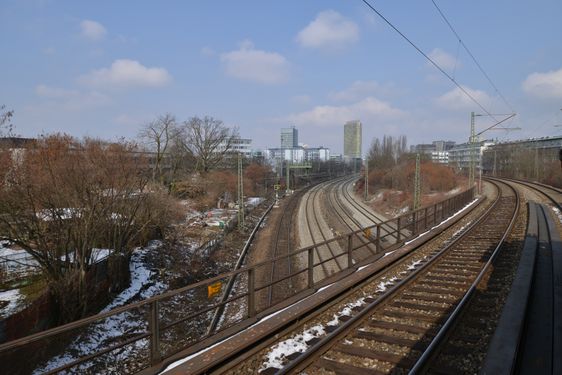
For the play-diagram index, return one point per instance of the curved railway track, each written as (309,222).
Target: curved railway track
(550,193)
(283,244)
(318,234)
(400,328)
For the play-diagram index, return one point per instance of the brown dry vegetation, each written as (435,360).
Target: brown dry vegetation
(205,190)
(61,198)
(394,187)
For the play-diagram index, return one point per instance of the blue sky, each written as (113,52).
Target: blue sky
(103,68)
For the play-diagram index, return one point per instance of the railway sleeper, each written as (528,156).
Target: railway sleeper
(343,368)
(437,298)
(401,327)
(420,306)
(379,355)
(413,316)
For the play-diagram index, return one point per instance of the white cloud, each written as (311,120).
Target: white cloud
(368,110)
(126,73)
(544,85)
(443,59)
(92,30)
(456,99)
(71,100)
(330,30)
(255,65)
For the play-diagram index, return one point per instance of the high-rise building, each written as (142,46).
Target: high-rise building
(289,137)
(352,140)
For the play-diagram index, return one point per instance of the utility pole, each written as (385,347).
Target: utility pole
(287,180)
(240,194)
(472,151)
(536,163)
(473,139)
(366,179)
(494,163)
(417,184)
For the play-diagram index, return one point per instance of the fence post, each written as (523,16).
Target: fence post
(251,293)
(310,267)
(398,227)
(154,329)
(378,244)
(414,223)
(349,255)
(425,219)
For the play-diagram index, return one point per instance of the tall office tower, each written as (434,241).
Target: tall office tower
(352,140)
(289,137)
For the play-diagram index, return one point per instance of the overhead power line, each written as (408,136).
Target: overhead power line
(472,56)
(430,60)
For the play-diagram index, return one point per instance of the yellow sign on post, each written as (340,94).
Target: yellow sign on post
(276,187)
(367,232)
(214,289)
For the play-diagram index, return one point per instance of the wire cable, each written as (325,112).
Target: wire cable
(472,56)
(430,60)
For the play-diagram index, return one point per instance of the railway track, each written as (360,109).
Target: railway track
(551,194)
(354,215)
(318,232)
(399,328)
(528,337)
(283,244)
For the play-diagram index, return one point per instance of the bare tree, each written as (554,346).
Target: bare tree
(385,154)
(6,126)
(159,135)
(65,198)
(208,140)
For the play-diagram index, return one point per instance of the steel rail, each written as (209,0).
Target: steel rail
(326,342)
(334,201)
(424,359)
(312,199)
(535,186)
(284,225)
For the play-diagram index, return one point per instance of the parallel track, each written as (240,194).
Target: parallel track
(283,245)
(313,204)
(400,328)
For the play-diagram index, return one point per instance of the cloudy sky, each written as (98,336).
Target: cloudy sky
(103,68)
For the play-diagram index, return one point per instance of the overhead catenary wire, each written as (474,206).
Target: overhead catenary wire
(430,60)
(472,56)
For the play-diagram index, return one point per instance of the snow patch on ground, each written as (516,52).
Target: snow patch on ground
(107,332)
(296,344)
(277,357)
(413,265)
(16,302)
(557,213)
(384,284)
(16,263)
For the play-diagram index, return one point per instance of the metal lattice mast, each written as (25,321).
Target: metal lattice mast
(417,184)
(288,188)
(472,148)
(366,179)
(240,193)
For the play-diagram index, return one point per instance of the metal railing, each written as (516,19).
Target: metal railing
(170,322)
